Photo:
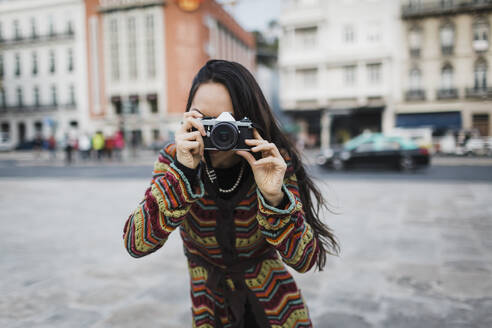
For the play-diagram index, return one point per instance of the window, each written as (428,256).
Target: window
(446,3)
(20,100)
(374,32)
(447,77)
(17,32)
(374,73)
(152,99)
(118,108)
(415,79)
(70,59)
(480,74)
(51,26)
(349,75)
(481,123)
(36,96)
(54,96)
(481,35)
(52,61)
(415,41)
(1,31)
(308,78)
(134,100)
(348,34)
(3,102)
(69,27)
(150,45)
(414,3)
(132,47)
(38,127)
(71,95)
(114,49)
(481,30)
(446,35)
(34,63)
(156,134)
(34,33)
(5,131)
(306,37)
(1,66)
(17,65)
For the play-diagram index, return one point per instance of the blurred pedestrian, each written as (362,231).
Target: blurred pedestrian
(134,142)
(70,145)
(98,144)
(108,147)
(84,146)
(119,145)
(37,145)
(52,147)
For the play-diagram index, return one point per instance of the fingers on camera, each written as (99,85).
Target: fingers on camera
(190,123)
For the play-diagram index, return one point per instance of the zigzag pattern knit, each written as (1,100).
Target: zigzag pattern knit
(171,202)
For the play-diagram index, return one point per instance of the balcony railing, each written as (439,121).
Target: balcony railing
(451,93)
(415,95)
(23,109)
(447,50)
(479,93)
(437,8)
(414,53)
(480,45)
(37,38)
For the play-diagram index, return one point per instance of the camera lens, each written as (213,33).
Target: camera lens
(224,136)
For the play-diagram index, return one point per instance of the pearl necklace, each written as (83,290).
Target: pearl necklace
(212,176)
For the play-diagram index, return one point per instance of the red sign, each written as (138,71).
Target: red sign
(189,5)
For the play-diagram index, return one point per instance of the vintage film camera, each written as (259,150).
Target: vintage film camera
(225,133)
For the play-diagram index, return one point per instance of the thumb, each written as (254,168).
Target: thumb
(247,156)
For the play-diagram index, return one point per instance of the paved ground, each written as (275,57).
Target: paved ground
(415,253)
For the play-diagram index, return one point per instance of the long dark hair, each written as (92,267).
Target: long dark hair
(248,100)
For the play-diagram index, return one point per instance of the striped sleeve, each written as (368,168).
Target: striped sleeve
(287,230)
(163,208)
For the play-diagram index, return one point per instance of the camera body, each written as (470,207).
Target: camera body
(224,133)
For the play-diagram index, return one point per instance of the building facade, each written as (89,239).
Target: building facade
(337,66)
(143,55)
(445,66)
(43,88)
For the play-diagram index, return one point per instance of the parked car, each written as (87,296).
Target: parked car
(376,150)
(475,146)
(5,144)
(25,145)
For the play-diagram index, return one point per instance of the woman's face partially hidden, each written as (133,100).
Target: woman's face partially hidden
(212,99)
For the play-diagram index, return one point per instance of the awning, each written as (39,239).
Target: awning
(439,120)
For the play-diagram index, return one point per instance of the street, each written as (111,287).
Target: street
(416,249)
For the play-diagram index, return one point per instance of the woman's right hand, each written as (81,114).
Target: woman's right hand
(189,144)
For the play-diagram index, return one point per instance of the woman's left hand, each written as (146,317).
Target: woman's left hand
(269,170)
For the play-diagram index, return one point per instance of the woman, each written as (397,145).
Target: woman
(240,215)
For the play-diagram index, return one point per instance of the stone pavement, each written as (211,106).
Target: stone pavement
(414,254)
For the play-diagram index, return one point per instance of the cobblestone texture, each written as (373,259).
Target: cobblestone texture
(414,254)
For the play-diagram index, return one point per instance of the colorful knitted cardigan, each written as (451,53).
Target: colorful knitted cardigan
(171,202)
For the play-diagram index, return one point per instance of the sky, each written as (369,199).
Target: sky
(255,14)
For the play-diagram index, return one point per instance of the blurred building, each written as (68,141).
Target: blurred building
(43,88)
(337,66)
(445,67)
(143,55)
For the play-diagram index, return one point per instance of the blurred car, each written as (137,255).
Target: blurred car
(475,146)
(5,144)
(488,146)
(25,145)
(376,150)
